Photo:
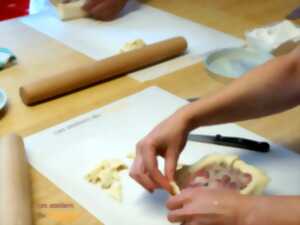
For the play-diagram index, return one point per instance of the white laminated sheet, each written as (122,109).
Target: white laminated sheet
(66,152)
(99,40)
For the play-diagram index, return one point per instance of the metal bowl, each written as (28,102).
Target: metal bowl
(3,100)
(234,62)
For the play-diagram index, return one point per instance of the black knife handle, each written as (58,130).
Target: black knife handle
(243,143)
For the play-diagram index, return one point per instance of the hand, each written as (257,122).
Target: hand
(104,9)
(204,206)
(166,140)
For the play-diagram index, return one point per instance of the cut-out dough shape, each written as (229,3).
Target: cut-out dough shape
(222,171)
(71,9)
(133,45)
(107,176)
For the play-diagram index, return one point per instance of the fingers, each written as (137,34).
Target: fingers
(90,4)
(150,160)
(180,215)
(178,201)
(104,9)
(192,222)
(145,168)
(138,173)
(170,164)
(296,51)
(176,216)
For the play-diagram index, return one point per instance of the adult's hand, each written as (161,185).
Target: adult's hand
(166,140)
(203,206)
(104,9)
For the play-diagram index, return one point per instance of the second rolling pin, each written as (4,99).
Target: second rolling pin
(15,191)
(66,82)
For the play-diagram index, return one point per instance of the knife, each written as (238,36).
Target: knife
(236,142)
(295,14)
(192,99)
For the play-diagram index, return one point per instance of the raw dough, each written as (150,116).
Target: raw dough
(219,170)
(106,175)
(175,188)
(131,155)
(133,45)
(71,9)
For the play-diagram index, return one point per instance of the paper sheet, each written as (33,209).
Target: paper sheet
(67,152)
(99,40)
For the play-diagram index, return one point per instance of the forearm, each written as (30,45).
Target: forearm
(275,210)
(270,88)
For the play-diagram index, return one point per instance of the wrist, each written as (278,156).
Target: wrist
(186,119)
(255,211)
(247,213)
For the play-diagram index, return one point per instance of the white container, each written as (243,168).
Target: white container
(272,37)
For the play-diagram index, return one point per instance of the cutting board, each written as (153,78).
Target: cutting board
(67,152)
(100,40)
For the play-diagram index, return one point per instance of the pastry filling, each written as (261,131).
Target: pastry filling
(219,176)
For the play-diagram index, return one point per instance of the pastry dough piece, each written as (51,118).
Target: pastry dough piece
(175,188)
(131,155)
(226,171)
(226,160)
(107,176)
(187,171)
(133,45)
(259,179)
(68,10)
(115,191)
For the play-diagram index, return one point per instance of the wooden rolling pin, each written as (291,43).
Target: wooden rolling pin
(15,191)
(95,72)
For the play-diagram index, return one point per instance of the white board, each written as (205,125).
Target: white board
(67,152)
(99,40)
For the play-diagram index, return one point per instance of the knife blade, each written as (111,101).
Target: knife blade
(192,99)
(294,15)
(236,142)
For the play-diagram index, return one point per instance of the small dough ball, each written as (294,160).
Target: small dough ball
(133,45)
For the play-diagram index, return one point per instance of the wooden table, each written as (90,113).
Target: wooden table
(40,55)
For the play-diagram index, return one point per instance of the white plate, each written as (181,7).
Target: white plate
(3,99)
(234,62)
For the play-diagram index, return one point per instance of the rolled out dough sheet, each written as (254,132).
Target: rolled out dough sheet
(66,152)
(99,40)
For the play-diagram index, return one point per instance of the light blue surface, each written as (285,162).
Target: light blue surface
(8,59)
(235,62)
(3,99)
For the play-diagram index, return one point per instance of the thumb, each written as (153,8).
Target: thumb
(171,159)
(296,51)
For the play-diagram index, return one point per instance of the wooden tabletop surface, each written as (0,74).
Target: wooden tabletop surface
(39,55)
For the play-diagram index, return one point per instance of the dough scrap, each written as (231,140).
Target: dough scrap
(131,155)
(133,45)
(115,191)
(175,188)
(71,9)
(107,176)
(259,179)
(179,166)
